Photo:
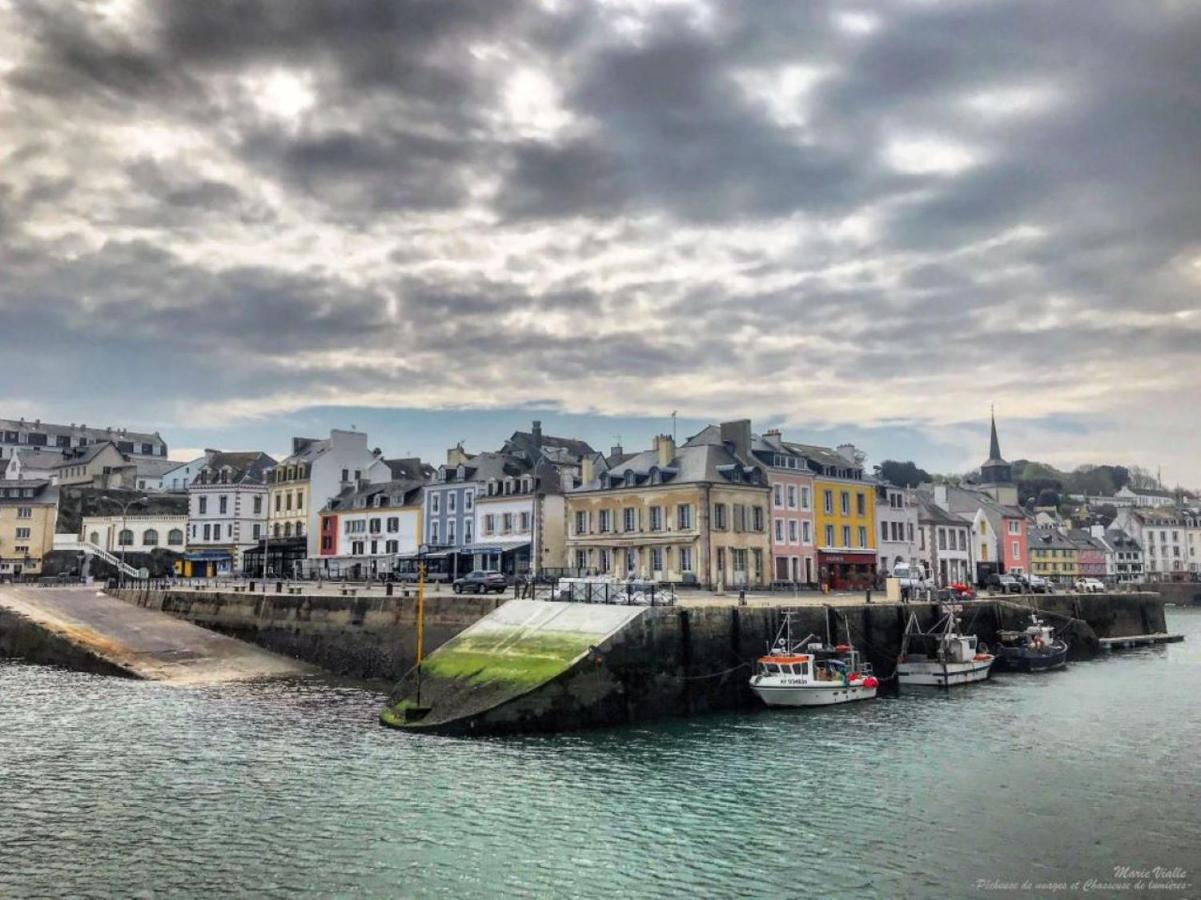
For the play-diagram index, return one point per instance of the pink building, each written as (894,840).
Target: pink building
(794,552)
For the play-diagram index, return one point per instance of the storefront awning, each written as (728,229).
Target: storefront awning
(433,554)
(850,558)
(494,547)
(205,555)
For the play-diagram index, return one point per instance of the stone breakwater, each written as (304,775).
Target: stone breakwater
(528,669)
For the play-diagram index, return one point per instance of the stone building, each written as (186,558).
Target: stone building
(28,516)
(227,512)
(693,514)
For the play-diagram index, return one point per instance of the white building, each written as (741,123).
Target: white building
(135,533)
(178,479)
(1145,497)
(19,434)
(1162,532)
(227,511)
(33,464)
(366,530)
(944,542)
(896,527)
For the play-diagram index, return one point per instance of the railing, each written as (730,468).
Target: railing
(95,550)
(585,590)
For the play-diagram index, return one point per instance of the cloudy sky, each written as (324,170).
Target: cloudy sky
(233,221)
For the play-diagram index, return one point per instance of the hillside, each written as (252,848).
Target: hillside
(77,502)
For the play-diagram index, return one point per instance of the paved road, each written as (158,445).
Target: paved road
(146,643)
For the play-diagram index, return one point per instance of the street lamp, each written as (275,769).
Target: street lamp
(121,537)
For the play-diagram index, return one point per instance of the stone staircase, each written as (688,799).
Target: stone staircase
(70,543)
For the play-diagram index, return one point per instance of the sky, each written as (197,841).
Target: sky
(234,221)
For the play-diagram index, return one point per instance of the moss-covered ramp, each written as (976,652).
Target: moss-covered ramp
(529,666)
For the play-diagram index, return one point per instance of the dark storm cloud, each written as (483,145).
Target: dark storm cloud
(159,203)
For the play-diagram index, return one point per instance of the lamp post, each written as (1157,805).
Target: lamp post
(121,537)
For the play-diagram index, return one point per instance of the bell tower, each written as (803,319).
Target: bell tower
(996,475)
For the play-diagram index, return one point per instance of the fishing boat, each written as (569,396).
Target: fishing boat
(941,657)
(809,672)
(1034,650)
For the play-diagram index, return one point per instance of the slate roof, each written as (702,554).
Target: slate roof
(692,463)
(929,512)
(84,455)
(45,493)
(246,467)
(524,441)
(38,457)
(1050,539)
(397,493)
(410,467)
(96,434)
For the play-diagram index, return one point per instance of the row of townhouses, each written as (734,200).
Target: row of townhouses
(724,508)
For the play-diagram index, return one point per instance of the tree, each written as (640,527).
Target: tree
(903,474)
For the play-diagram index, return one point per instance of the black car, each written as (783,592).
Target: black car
(480,582)
(1006,584)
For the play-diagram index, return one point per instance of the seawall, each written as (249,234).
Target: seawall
(1182,593)
(677,661)
(359,637)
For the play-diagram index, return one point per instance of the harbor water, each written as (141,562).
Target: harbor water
(1086,780)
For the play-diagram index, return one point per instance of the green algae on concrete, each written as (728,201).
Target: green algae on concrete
(529,660)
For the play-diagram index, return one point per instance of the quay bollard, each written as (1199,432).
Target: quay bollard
(388,589)
(279,587)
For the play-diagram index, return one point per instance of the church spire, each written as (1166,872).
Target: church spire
(994,447)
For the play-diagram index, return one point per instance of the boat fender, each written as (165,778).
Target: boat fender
(980,657)
(842,648)
(871,681)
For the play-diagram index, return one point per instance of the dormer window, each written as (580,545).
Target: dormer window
(442,473)
(461,472)
(630,478)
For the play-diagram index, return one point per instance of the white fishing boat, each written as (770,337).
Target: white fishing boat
(941,657)
(811,673)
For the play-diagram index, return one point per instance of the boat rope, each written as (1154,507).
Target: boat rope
(744,665)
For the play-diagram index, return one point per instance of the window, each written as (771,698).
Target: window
(346,475)
(656,559)
(258,504)
(684,516)
(469,500)
(804,497)
(525,521)
(845,502)
(204,505)
(278,529)
(602,562)
(828,501)
(792,535)
(24,512)
(829,535)
(719,515)
(779,531)
(581,522)
(739,517)
(435,502)
(860,504)
(434,533)
(94,537)
(883,531)
(23,534)
(1015,527)
(942,539)
(375,526)
(149,537)
(299,500)
(629,519)
(581,559)
(278,502)
(257,532)
(962,539)
(208,532)
(490,523)
(606,522)
(450,531)
(806,532)
(450,503)
(862,536)
(506,523)
(467,527)
(846,535)
(685,559)
(777,495)
(792,496)
(656,518)
(223,504)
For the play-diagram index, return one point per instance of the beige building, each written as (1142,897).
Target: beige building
(694,514)
(28,515)
(101,465)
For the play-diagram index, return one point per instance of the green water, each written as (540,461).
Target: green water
(119,788)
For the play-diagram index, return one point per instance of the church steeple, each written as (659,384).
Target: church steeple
(995,470)
(994,447)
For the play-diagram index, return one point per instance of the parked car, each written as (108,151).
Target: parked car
(1034,584)
(1005,584)
(1090,586)
(480,582)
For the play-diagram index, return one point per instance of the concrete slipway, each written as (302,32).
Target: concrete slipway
(86,629)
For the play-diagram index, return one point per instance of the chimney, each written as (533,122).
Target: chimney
(773,433)
(587,469)
(536,434)
(616,450)
(851,454)
(666,449)
(737,435)
(456,455)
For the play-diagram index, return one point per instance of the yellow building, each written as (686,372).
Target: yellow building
(844,516)
(1053,555)
(695,514)
(28,516)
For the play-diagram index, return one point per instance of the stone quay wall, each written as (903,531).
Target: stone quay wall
(358,637)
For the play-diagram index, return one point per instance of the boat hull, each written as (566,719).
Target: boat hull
(935,674)
(812,695)
(1018,659)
